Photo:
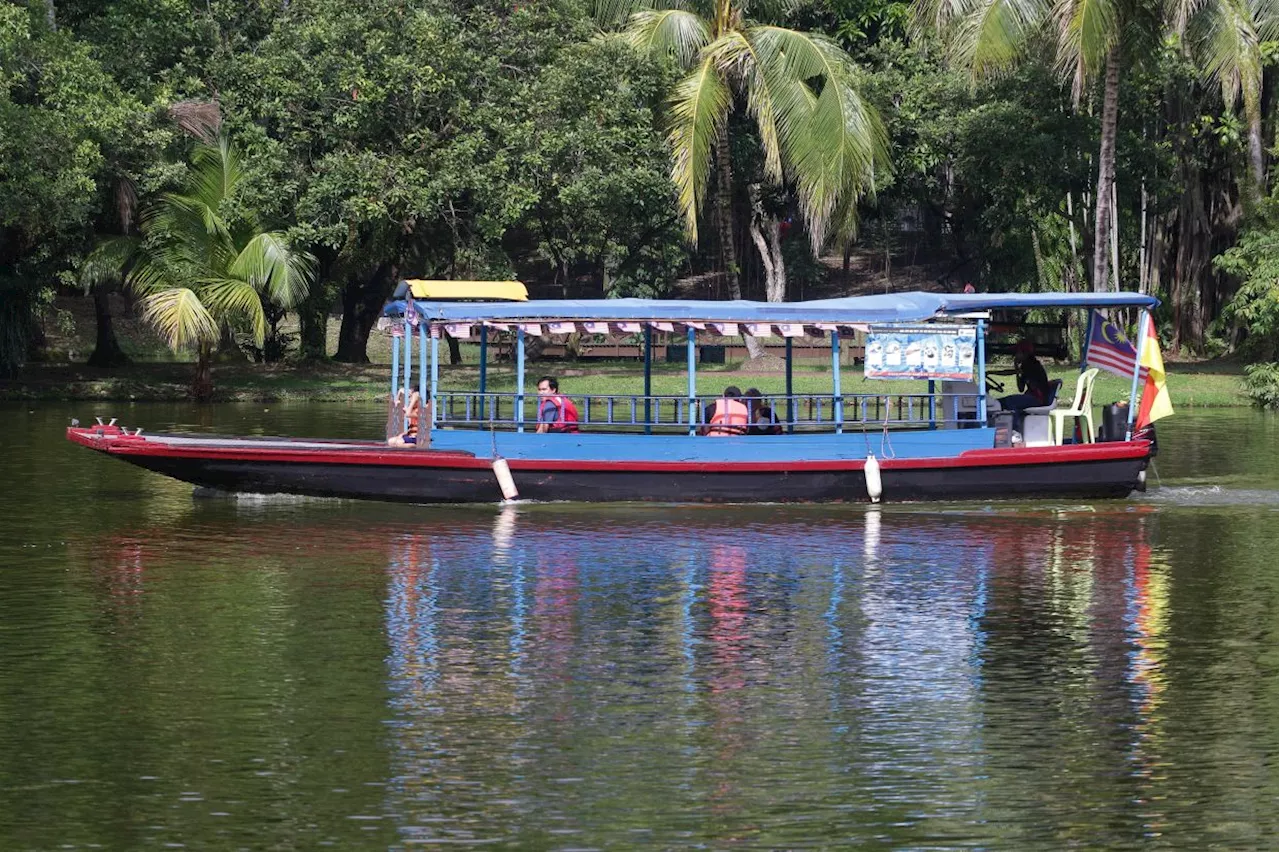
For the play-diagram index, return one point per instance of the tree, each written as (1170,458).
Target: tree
(817,135)
(201,263)
(1093,38)
(1232,41)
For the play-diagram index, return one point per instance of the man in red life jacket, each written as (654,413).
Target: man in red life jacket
(727,415)
(556,413)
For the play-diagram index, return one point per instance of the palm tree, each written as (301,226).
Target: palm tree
(1227,38)
(818,137)
(195,269)
(1092,37)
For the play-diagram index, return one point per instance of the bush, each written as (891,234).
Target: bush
(1262,383)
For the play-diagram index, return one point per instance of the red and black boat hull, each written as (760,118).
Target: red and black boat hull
(373,472)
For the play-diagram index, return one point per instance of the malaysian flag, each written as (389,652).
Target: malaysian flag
(1108,348)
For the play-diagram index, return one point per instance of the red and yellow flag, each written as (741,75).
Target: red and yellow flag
(1155,395)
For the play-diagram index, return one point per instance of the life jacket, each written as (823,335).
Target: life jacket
(566,414)
(411,421)
(729,418)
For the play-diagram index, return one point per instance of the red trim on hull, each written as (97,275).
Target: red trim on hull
(362,454)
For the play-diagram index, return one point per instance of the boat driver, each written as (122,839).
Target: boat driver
(1033,383)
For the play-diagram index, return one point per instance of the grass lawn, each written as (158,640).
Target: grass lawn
(1210,384)
(156,375)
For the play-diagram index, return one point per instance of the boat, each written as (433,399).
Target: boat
(944,441)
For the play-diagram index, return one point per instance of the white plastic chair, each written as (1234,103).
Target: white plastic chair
(1081,406)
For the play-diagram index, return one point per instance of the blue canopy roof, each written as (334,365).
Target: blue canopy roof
(887,308)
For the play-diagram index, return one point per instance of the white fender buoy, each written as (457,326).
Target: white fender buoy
(503,472)
(872,472)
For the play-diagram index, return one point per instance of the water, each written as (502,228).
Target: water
(288,673)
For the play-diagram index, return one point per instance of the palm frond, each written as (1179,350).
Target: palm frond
(109,261)
(987,38)
(126,201)
(1087,30)
(216,173)
(668,32)
(179,318)
(698,110)
(737,56)
(269,264)
(201,119)
(831,141)
(235,299)
(611,13)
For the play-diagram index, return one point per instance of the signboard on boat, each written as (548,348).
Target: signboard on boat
(920,352)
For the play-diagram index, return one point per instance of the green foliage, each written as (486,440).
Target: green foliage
(199,265)
(1253,261)
(1261,382)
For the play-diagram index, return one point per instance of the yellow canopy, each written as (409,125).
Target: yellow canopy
(482,291)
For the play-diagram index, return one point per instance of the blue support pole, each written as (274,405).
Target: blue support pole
(519,379)
(791,403)
(395,366)
(837,399)
(648,379)
(435,375)
(692,352)
(422,370)
(981,341)
(1143,319)
(933,409)
(408,359)
(484,359)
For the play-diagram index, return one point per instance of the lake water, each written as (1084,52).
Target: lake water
(283,673)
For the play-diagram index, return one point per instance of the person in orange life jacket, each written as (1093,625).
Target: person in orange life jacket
(763,420)
(726,416)
(414,411)
(556,413)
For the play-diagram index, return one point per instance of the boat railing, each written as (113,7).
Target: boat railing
(805,412)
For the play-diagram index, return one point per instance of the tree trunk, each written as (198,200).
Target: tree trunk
(107,351)
(724,209)
(455,351)
(362,301)
(202,382)
(1257,172)
(768,242)
(1106,171)
(228,349)
(313,324)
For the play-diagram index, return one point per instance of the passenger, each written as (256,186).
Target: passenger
(763,420)
(556,413)
(727,415)
(414,412)
(1033,383)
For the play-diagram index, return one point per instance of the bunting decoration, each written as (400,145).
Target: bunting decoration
(396,326)
(458,330)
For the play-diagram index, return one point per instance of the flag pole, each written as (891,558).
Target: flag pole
(1088,338)
(1143,319)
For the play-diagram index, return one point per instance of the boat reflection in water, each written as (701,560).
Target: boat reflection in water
(547,661)
(689,672)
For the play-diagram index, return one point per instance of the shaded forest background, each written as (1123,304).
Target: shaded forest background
(438,139)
